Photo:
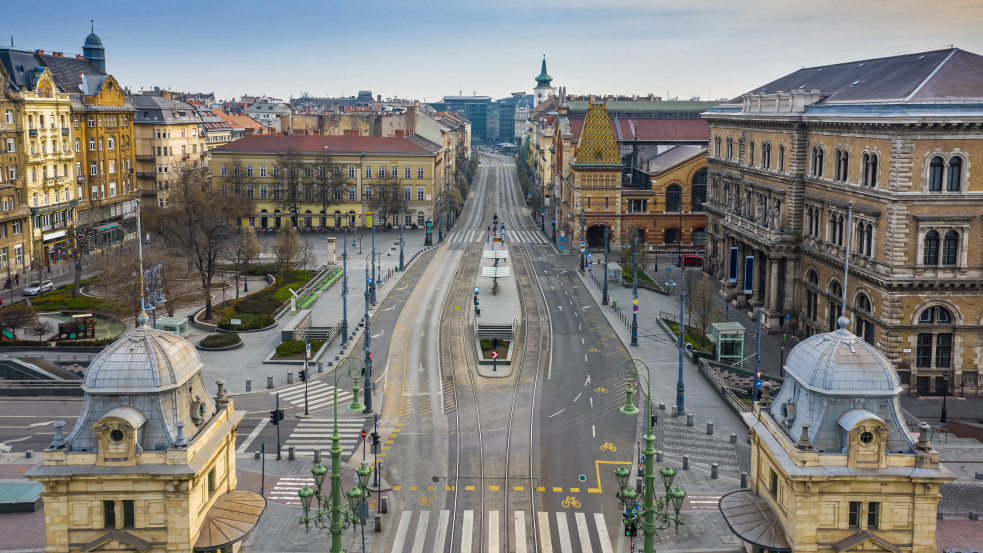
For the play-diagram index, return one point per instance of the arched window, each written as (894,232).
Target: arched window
(938,338)
(861,238)
(698,191)
(869,170)
(812,297)
(730,147)
(954,178)
(78,145)
(674,198)
(716,146)
(781,157)
(672,236)
(864,326)
(842,165)
(869,243)
(936,168)
(92,121)
(950,247)
(817,162)
(750,157)
(92,144)
(110,143)
(835,307)
(810,218)
(766,155)
(930,251)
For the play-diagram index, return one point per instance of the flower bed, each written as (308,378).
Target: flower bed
(294,350)
(256,310)
(220,340)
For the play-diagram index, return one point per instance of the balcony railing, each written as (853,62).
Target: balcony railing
(80,179)
(145,157)
(145,175)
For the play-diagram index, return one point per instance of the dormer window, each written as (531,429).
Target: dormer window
(866,438)
(116,435)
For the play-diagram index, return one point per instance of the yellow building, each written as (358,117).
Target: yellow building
(103,121)
(15,243)
(150,463)
(168,134)
(822,162)
(834,467)
(332,181)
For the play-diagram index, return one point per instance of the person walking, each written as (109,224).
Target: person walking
(17,279)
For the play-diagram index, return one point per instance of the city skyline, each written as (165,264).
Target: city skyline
(715,50)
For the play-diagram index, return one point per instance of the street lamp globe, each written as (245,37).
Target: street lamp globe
(320,472)
(363,472)
(628,497)
(306,494)
(668,474)
(677,495)
(622,473)
(355,499)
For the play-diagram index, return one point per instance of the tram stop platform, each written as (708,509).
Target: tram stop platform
(497,312)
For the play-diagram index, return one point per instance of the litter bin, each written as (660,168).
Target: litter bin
(614,303)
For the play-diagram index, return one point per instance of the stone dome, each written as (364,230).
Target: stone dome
(143,360)
(839,363)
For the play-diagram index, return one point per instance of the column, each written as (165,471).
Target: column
(772,303)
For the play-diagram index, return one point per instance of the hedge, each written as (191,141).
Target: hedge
(14,343)
(250,321)
(267,300)
(291,348)
(220,340)
(86,343)
(486,344)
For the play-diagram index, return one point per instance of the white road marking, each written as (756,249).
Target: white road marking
(545,541)
(45,423)
(421,532)
(493,531)
(591,401)
(520,532)
(581,519)
(564,532)
(602,533)
(557,413)
(379,334)
(586,382)
(438,543)
(465,531)
(582,342)
(593,431)
(576,398)
(585,359)
(404,525)
(390,309)
(253,435)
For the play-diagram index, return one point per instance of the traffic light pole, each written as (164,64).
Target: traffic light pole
(367,348)
(277,416)
(307,376)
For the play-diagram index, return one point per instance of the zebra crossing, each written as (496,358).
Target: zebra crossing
(286,489)
(319,395)
(513,236)
(311,435)
(560,531)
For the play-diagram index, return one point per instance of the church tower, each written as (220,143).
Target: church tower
(543,89)
(93,51)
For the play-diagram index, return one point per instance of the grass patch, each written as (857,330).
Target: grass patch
(257,308)
(295,349)
(626,274)
(60,299)
(699,342)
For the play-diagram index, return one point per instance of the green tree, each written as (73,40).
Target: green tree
(455,199)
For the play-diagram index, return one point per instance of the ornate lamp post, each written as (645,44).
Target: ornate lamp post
(367,346)
(655,514)
(330,513)
(945,394)
(373,279)
(680,386)
(634,291)
(153,280)
(583,250)
(344,288)
(402,219)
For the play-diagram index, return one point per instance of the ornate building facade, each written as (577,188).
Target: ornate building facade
(873,157)
(167,134)
(15,242)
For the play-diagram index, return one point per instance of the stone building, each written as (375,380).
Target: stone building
(834,467)
(167,134)
(150,463)
(895,136)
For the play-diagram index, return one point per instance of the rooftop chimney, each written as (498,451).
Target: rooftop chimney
(58,54)
(351,132)
(400,133)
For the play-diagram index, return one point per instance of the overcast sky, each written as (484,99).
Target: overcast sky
(431,48)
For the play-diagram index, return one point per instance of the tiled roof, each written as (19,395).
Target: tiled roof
(244,121)
(66,71)
(597,144)
(652,130)
(414,145)
(950,75)
(647,107)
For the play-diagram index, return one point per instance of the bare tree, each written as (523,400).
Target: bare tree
(79,235)
(307,256)
(40,327)
(288,192)
(630,247)
(241,251)
(704,311)
(330,183)
(236,178)
(19,315)
(285,248)
(385,201)
(198,224)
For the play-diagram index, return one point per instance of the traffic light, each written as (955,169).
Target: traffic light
(476,300)
(276,416)
(375,438)
(554,230)
(629,523)
(303,375)
(494,343)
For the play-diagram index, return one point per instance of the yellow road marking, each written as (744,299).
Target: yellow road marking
(469,488)
(493,488)
(518,488)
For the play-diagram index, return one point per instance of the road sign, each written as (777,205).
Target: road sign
(363,433)
(542,212)
(582,478)
(236,321)
(563,233)
(475,289)
(635,301)
(494,355)
(308,351)
(757,383)
(582,243)
(634,308)
(370,280)
(787,317)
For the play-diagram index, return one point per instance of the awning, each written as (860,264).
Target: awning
(108,227)
(752,519)
(230,519)
(53,235)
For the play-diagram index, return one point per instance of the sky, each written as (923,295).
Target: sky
(427,49)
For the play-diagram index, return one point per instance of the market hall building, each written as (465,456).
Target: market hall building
(898,138)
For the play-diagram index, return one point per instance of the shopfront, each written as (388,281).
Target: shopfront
(56,247)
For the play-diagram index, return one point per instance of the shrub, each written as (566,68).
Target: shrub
(486,344)
(291,348)
(283,294)
(11,343)
(220,340)
(261,269)
(250,321)
(86,343)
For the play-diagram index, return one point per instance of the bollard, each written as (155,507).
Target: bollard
(269,381)
(689,419)
(733,438)
(662,406)
(713,470)
(249,385)
(257,455)
(709,428)
(384,505)
(317,456)
(685,462)
(674,411)
(743,479)
(320,366)
(378,523)
(291,455)
(974,516)
(290,378)
(658,456)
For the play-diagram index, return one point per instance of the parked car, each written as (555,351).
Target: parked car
(36,288)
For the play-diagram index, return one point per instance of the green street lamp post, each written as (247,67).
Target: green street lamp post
(330,513)
(655,514)
(634,291)
(583,249)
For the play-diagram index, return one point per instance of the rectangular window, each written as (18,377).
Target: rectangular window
(224,170)
(11,146)
(336,171)
(276,192)
(112,190)
(351,172)
(873,512)
(368,193)
(3,231)
(276,170)
(9,117)
(262,191)
(262,170)
(93,168)
(18,251)
(128,514)
(108,514)
(407,194)
(211,482)
(250,191)
(368,171)
(943,350)
(406,172)
(249,170)
(773,485)
(923,350)
(394,172)
(382,172)
(112,166)
(854,521)
(419,193)
(351,192)
(252,221)
(419,173)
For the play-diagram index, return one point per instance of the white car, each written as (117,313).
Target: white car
(36,288)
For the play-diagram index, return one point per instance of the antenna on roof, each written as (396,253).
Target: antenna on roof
(92,25)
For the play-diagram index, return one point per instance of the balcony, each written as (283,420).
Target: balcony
(80,179)
(145,157)
(145,175)
(65,131)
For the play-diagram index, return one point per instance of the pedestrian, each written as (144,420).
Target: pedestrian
(17,279)
(6,285)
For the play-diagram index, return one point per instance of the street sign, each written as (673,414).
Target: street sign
(364,433)
(634,308)
(635,302)
(370,280)
(308,351)
(542,212)
(236,321)
(563,233)
(582,243)
(494,355)
(582,478)
(787,317)
(757,383)
(475,289)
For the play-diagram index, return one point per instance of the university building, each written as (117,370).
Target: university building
(332,181)
(872,158)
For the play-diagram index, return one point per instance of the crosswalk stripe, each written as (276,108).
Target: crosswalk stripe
(404,526)
(493,530)
(466,530)
(602,533)
(438,542)
(520,532)
(544,532)
(564,531)
(581,520)
(421,532)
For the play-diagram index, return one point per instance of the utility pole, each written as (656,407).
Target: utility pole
(367,348)
(402,218)
(634,293)
(372,280)
(344,290)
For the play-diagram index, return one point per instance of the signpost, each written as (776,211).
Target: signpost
(494,361)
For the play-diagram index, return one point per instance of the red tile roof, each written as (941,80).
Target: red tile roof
(333,144)
(651,130)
